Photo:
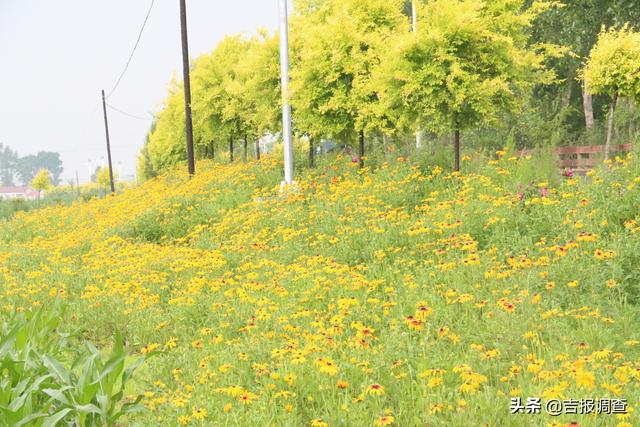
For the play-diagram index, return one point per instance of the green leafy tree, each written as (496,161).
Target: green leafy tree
(167,142)
(258,84)
(613,68)
(41,182)
(233,98)
(576,25)
(103,178)
(28,166)
(219,104)
(144,166)
(469,63)
(337,44)
(8,161)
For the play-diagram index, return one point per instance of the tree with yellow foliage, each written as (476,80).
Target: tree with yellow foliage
(613,68)
(470,63)
(41,182)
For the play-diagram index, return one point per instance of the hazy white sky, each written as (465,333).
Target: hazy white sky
(56,56)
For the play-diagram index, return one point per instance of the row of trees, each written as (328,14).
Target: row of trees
(14,168)
(359,71)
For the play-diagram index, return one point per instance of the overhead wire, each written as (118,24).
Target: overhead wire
(135,47)
(133,116)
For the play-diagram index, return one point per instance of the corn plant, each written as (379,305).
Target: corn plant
(43,386)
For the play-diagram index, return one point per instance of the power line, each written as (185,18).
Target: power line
(133,116)
(92,148)
(126,67)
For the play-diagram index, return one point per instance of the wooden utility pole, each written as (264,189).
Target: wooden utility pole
(187,88)
(106,131)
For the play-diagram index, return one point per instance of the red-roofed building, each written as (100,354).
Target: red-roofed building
(12,193)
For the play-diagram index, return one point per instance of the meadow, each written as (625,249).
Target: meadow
(394,295)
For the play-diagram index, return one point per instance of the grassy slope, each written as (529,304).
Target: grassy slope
(273,301)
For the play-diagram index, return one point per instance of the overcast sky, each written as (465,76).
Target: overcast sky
(56,56)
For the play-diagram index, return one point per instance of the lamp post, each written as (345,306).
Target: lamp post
(414,16)
(414,28)
(286,108)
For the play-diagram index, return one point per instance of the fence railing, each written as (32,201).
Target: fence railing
(582,158)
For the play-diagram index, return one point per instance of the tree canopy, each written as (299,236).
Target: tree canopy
(358,70)
(14,167)
(42,180)
(614,63)
(337,45)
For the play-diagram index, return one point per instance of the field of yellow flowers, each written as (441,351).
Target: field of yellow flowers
(394,296)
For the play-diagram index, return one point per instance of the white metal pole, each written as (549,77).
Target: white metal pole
(414,14)
(414,27)
(286,108)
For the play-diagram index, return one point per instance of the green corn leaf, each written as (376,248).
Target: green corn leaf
(103,401)
(56,369)
(28,419)
(115,366)
(53,420)
(21,396)
(88,409)
(87,390)
(6,343)
(130,408)
(58,394)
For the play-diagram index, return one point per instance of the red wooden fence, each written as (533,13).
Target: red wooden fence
(582,158)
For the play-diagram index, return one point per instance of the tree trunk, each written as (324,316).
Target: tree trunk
(587,102)
(385,143)
(612,112)
(566,99)
(213,151)
(258,149)
(231,150)
(361,148)
(456,148)
(632,126)
(312,160)
(246,148)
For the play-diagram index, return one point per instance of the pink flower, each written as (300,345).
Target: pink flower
(521,196)
(355,159)
(544,192)
(568,173)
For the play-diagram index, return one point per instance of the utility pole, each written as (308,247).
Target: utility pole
(77,182)
(106,131)
(187,88)
(287,136)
